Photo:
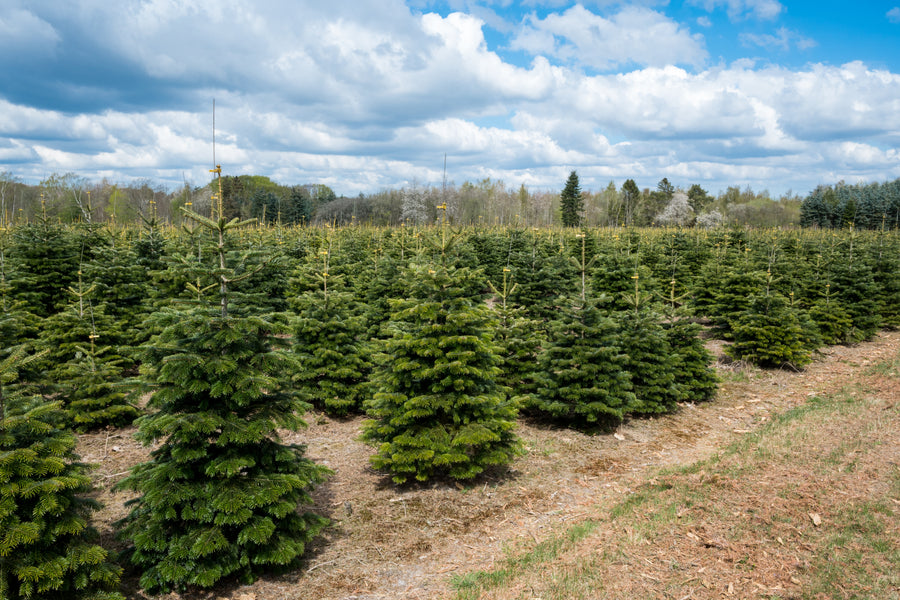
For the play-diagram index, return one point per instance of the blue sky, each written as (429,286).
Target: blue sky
(365,95)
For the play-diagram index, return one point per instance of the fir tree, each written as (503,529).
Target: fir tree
(649,359)
(571,202)
(437,409)
(45,259)
(333,368)
(46,545)
(691,362)
(93,390)
(519,339)
(219,498)
(769,333)
(583,380)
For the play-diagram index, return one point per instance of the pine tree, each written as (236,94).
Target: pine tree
(571,202)
(219,498)
(46,549)
(437,409)
(583,380)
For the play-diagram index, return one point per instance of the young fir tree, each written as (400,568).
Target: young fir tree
(46,545)
(769,333)
(437,409)
(18,325)
(220,497)
(63,333)
(44,259)
(328,343)
(519,339)
(832,319)
(95,395)
(695,379)
(583,379)
(649,358)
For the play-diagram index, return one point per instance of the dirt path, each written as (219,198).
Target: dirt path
(405,543)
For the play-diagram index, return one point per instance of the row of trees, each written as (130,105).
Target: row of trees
(867,206)
(71,198)
(443,337)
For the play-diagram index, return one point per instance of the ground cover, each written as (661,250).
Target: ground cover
(787,485)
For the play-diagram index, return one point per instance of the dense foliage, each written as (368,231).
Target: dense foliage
(442,344)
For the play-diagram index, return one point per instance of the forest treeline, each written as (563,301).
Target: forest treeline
(70,198)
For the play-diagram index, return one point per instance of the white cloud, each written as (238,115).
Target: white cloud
(742,9)
(368,94)
(633,36)
(893,15)
(783,39)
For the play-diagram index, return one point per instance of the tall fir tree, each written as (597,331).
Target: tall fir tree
(572,202)
(437,409)
(47,549)
(220,496)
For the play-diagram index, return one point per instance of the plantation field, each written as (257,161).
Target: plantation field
(712,501)
(421,411)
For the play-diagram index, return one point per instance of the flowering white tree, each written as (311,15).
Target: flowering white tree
(678,212)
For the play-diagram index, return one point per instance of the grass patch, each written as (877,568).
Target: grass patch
(855,555)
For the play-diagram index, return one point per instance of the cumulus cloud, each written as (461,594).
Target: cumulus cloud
(633,36)
(365,94)
(893,15)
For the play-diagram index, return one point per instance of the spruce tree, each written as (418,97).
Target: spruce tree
(46,543)
(220,497)
(437,409)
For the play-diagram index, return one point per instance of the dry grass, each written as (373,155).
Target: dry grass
(573,516)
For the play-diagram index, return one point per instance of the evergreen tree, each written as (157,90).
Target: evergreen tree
(769,333)
(649,359)
(582,376)
(219,498)
(519,339)
(695,379)
(437,409)
(46,549)
(93,391)
(333,369)
(44,259)
(571,202)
